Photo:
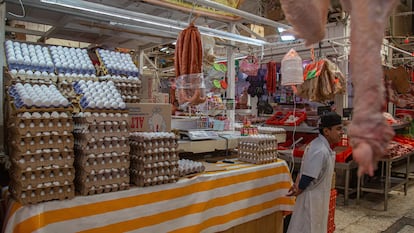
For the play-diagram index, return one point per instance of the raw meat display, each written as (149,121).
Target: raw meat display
(368,130)
(307,17)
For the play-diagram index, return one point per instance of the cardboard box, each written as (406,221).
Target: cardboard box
(149,117)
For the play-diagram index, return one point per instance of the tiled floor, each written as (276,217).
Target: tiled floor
(369,216)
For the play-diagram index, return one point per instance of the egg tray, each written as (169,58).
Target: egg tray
(33,159)
(85,191)
(39,183)
(256,151)
(156,157)
(140,165)
(105,70)
(145,151)
(70,80)
(33,143)
(190,171)
(94,119)
(35,196)
(34,79)
(131,100)
(153,143)
(99,131)
(41,110)
(145,182)
(88,180)
(25,178)
(89,164)
(154,172)
(107,142)
(258,161)
(21,131)
(258,154)
(79,150)
(105,163)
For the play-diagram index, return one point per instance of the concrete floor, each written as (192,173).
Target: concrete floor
(369,216)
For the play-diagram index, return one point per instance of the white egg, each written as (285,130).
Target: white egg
(107,105)
(37,73)
(122,105)
(115,105)
(91,104)
(14,71)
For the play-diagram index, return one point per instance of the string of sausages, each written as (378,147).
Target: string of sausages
(271,77)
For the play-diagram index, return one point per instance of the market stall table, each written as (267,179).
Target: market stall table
(387,182)
(210,202)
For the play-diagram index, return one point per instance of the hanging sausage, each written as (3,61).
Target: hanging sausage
(188,67)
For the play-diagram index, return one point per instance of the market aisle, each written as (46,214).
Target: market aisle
(369,216)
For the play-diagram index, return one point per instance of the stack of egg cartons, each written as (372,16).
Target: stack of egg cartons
(41,148)
(101,140)
(116,63)
(154,158)
(258,149)
(102,152)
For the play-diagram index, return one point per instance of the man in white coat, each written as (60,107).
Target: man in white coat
(313,183)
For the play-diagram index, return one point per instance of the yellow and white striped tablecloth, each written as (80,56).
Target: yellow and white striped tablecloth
(206,203)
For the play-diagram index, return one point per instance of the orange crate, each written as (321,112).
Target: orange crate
(331,213)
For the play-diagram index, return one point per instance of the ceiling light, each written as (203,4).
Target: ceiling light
(284,35)
(131,16)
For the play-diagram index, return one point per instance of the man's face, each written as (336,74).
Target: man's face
(334,134)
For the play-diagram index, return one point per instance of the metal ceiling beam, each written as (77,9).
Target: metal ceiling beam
(23,30)
(243,14)
(246,29)
(118,14)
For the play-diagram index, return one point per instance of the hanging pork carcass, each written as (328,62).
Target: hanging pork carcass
(368,131)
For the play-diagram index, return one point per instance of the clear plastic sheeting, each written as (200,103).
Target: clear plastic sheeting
(191,89)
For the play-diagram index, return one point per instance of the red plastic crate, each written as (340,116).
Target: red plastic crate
(300,115)
(331,213)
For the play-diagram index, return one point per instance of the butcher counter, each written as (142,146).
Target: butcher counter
(211,202)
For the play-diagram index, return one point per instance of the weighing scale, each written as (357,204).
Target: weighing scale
(197,134)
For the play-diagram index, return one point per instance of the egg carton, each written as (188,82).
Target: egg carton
(41,51)
(139,165)
(102,146)
(99,150)
(82,190)
(258,154)
(35,143)
(29,181)
(36,109)
(102,163)
(99,142)
(156,157)
(115,172)
(71,79)
(42,158)
(105,127)
(89,180)
(133,99)
(162,171)
(112,71)
(257,159)
(22,128)
(142,181)
(91,159)
(171,145)
(38,78)
(94,117)
(34,196)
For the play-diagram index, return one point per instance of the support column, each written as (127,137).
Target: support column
(2,64)
(231,73)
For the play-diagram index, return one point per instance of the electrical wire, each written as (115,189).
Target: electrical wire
(23,11)
(292,158)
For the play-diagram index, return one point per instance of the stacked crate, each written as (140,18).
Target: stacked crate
(102,152)
(41,154)
(258,149)
(154,158)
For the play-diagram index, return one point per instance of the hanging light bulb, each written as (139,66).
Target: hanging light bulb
(292,69)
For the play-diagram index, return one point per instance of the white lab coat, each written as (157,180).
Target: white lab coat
(310,214)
